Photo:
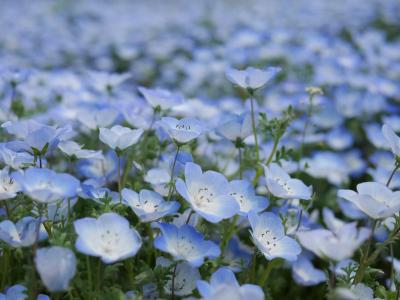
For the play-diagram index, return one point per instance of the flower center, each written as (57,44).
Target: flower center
(204,197)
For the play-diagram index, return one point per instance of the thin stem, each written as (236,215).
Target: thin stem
(171,186)
(240,163)
(89,275)
(365,257)
(306,124)
(267,271)
(396,167)
(188,218)
(253,125)
(173,282)
(229,233)
(269,160)
(40,161)
(119,178)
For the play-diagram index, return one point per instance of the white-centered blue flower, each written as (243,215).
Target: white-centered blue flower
(184,130)
(304,273)
(56,267)
(243,192)
(148,205)
(374,199)
(268,234)
(119,137)
(8,186)
(161,98)
(44,185)
(280,184)
(336,244)
(251,78)
(236,127)
(223,285)
(392,138)
(14,159)
(208,193)
(185,243)
(184,280)
(108,237)
(72,148)
(23,233)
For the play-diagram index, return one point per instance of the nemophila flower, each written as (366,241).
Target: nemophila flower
(119,137)
(223,285)
(108,237)
(392,138)
(73,149)
(161,98)
(243,192)
(251,78)
(185,277)
(337,244)
(148,205)
(208,193)
(44,185)
(358,291)
(185,243)
(56,267)
(374,199)
(304,273)
(8,186)
(184,130)
(58,211)
(106,82)
(36,138)
(23,233)
(97,117)
(237,255)
(14,159)
(280,184)
(236,127)
(268,235)
(94,191)
(19,292)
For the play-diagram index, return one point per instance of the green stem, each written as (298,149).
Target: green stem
(396,167)
(253,125)
(89,276)
(269,160)
(267,271)
(240,163)
(229,233)
(306,124)
(119,178)
(173,282)
(171,186)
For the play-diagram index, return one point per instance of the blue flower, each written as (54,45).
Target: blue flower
(23,233)
(269,236)
(161,98)
(108,237)
(223,285)
(236,127)
(44,185)
(304,273)
(208,193)
(8,186)
(56,267)
(119,137)
(148,205)
(251,78)
(243,192)
(185,243)
(184,130)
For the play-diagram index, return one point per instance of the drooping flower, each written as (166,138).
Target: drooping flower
(8,186)
(44,185)
(148,205)
(336,244)
(185,277)
(374,199)
(208,193)
(268,235)
(185,243)
(23,233)
(251,78)
(280,184)
(243,192)
(56,267)
(223,285)
(119,137)
(161,98)
(108,237)
(184,130)
(392,138)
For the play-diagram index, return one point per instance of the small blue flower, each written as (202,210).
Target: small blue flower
(108,237)
(161,98)
(269,236)
(185,243)
(251,78)
(236,127)
(44,185)
(184,130)
(56,267)
(208,193)
(148,205)
(243,192)
(8,186)
(23,233)
(304,273)
(119,137)
(223,285)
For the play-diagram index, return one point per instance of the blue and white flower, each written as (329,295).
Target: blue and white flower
(24,233)
(251,78)
(184,130)
(119,137)
(243,192)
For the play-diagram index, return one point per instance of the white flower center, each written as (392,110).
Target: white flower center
(268,239)
(204,197)
(185,246)
(110,241)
